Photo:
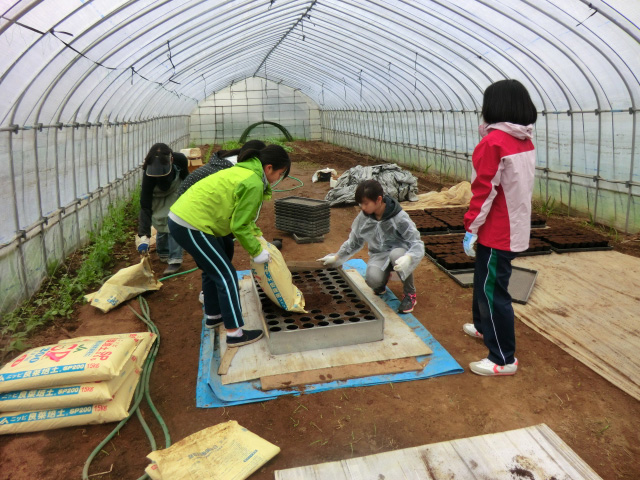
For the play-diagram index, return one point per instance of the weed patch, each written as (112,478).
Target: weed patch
(66,286)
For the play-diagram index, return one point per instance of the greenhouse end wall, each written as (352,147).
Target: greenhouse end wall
(64,178)
(586,162)
(225,114)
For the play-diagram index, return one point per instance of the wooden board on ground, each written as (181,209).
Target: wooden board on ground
(587,303)
(324,375)
(533,452)
(254,361)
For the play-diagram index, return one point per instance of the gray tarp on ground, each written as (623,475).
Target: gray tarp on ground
(395,181)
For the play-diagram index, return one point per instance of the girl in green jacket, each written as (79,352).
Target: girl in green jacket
(227,202)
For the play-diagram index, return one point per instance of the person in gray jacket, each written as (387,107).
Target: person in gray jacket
(394,242)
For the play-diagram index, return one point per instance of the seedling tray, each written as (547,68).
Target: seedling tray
(520,285)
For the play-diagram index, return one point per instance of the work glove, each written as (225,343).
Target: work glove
(328,260)
(469,244)
(264,257)
(260,238)
(402,264)
(142,244)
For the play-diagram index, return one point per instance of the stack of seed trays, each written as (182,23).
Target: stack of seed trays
(306,217)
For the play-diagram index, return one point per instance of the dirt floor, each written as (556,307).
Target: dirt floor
(597,420)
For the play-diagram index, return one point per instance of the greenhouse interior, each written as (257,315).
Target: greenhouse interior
(89,86)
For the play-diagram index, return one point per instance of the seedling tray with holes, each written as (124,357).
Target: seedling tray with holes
(520,285)
(302,204)
(338,313)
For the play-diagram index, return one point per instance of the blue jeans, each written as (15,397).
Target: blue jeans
(492,309)
(168,249)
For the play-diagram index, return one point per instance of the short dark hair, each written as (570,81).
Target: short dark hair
(508,101)
(369,189)
(273,155)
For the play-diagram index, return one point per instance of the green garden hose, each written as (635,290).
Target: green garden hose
(142,390)
(289,189)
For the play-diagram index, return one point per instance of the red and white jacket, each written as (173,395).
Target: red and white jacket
(502,185)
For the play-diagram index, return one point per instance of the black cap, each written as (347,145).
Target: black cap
(159,166)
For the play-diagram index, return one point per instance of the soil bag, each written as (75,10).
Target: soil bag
(35,421)
(66,364)
(226,451)
(78,394)
(275,279)
(125,284)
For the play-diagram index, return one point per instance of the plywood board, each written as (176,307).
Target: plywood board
(324,375)
(254,361)
(589,304)
(533,452)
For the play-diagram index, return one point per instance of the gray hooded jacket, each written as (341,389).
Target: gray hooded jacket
(394,230)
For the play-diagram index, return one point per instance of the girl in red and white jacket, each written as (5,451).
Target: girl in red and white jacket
(499,218)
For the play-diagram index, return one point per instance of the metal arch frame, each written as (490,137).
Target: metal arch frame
(613,20)
(124,75)
(634,125)
(407,67)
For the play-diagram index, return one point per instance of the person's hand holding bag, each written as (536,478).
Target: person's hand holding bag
(263,257)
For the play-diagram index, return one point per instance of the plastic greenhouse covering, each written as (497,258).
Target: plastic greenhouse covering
(89,85)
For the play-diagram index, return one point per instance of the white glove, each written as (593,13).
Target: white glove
(264,257)
(328,260)
(142,244)
(402,264)
(260,238)
(468,243)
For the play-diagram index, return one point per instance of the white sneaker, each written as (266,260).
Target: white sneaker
(201,297)
(487,368)
(470,330)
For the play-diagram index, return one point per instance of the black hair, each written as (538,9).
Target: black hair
(369,189)
(508,101)
(155,150)
(250,145)
(273,155)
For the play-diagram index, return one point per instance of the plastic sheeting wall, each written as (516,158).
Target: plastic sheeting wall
(62,184)
(402,79)
(584,160)
(227,113)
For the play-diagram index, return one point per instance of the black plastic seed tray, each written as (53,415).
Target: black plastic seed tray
(304,231)
(302,204)
(290,213)
(301,224)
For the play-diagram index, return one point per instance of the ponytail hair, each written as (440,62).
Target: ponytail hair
(273,155)
(158,149)
(250,145)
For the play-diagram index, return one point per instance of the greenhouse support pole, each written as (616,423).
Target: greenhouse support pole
(41,220)
(597,177)
(631,166)
(58,198)
(86,172)
(16,218)
(75,184)
(97,164)
(571,158)
(546,152)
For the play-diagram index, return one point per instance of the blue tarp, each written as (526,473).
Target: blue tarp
(211,393)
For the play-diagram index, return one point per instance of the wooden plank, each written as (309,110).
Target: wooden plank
(532,452)
(346,372)
(255,361)
(587,304)
(225,362)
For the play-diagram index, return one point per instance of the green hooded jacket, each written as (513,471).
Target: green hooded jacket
(228,202)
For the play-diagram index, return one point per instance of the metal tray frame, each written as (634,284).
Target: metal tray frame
(329,336)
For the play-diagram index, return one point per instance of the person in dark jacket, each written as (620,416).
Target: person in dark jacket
(164,172)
